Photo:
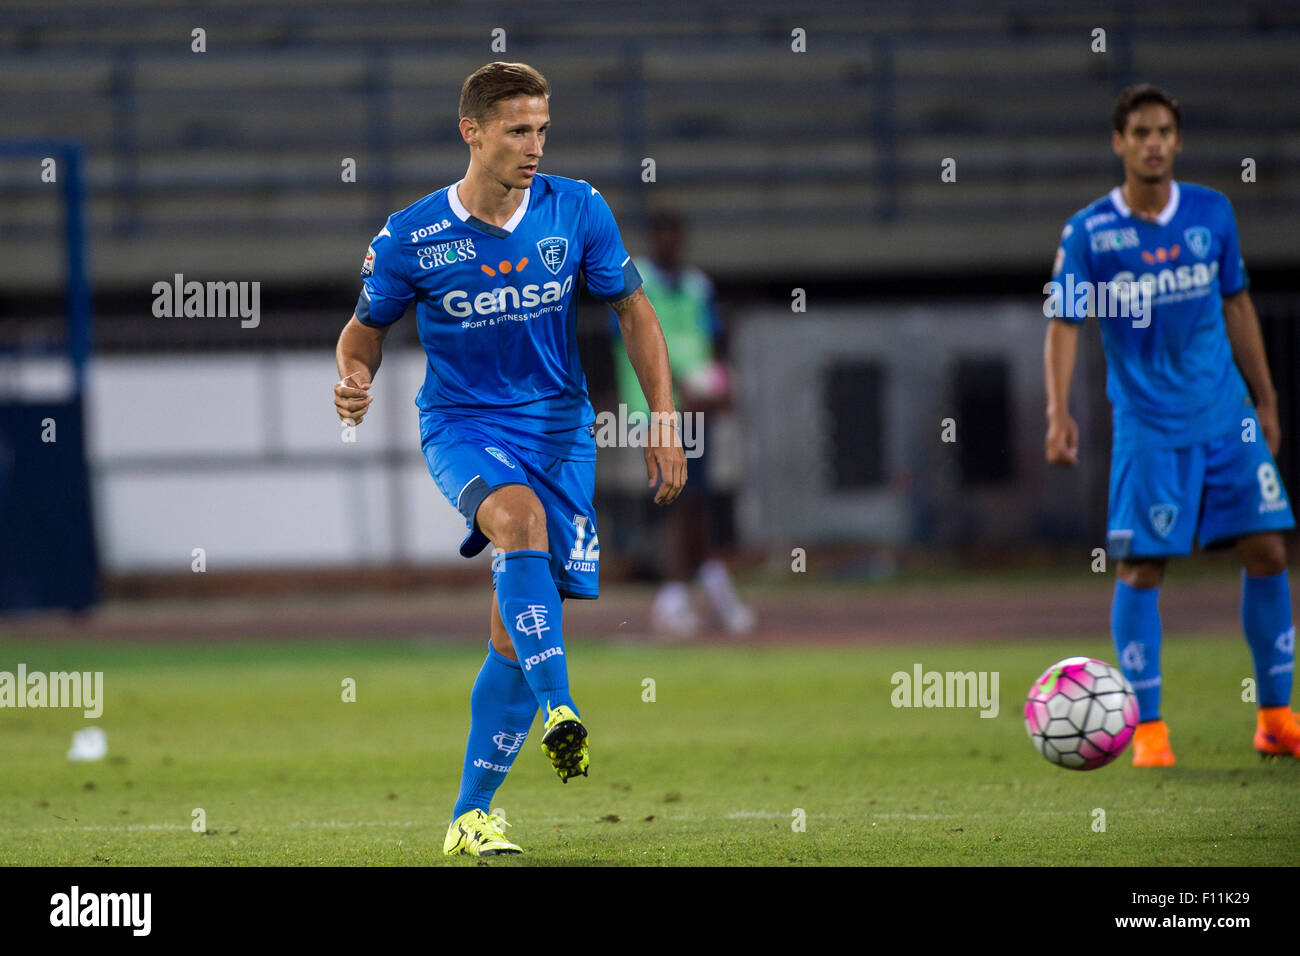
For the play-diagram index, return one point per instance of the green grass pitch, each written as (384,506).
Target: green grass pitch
(711,772)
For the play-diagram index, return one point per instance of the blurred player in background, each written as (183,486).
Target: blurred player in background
(1191,457)
(684,301)
(493,264)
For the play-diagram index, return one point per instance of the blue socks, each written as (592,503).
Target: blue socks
(501,710)
(507,693)
(1266,619)
(1135,626)
(530,609)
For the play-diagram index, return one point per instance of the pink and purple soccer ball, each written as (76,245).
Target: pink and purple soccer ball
(1081,713)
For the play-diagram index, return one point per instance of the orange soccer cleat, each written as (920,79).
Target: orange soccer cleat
(1277,733)
(1151,745)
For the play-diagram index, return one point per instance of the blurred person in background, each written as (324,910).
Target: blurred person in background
(684,299)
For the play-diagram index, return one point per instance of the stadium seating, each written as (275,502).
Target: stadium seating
(248,137)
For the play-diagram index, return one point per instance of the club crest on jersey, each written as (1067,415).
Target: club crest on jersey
(1163,518)
(1198,240)
(499,455)
(553,250)
(368,264)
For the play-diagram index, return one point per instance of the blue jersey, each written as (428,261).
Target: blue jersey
(496,306)
(1172,382)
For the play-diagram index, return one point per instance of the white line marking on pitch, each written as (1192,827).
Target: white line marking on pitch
(685,818)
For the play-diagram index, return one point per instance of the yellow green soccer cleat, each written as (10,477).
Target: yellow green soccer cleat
(565,741)
(474,833)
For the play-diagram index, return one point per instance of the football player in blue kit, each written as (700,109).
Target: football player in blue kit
(1192,457)
(493,264)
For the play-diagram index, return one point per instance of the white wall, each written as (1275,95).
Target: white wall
(243,456)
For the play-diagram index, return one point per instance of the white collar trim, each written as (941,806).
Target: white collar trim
(462,213)
(1166,214)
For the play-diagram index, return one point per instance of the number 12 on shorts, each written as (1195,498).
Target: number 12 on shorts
(591,552)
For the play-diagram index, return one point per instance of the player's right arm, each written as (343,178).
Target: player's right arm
(1058,367)
(1060,349)
(359,352)
(386,291)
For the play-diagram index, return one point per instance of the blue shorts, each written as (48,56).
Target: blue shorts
(1217,491)
(468,462)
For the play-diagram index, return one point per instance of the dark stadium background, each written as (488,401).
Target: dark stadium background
(816,170)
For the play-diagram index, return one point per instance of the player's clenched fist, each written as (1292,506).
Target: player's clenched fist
(1062,441)
(352,397)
